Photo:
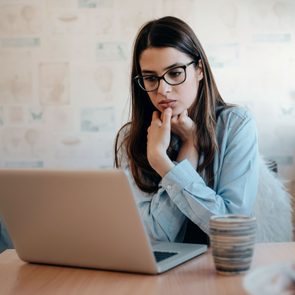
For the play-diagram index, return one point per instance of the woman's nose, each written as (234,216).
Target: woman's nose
(164,87)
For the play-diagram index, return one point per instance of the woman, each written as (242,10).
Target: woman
(190,155)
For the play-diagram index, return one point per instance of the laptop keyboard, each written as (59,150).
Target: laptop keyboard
(163,255)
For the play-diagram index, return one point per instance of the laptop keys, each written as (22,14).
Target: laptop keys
(159,256)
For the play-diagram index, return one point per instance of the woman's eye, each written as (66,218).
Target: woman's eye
(175,73)
(150,78)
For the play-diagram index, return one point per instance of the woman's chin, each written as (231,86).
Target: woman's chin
(174,112)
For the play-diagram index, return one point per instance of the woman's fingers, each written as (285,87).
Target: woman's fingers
(166,117)
(183,116)
(180,119)
(158,136)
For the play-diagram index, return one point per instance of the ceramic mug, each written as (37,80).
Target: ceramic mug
(232,239)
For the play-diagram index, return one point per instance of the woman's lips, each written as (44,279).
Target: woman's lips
(167,103)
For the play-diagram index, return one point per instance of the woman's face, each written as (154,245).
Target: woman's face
(156,62)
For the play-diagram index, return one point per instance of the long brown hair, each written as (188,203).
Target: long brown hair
(169,32)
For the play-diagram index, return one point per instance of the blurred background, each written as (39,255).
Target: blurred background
(64,74)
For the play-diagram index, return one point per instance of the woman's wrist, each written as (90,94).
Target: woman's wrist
(161,163)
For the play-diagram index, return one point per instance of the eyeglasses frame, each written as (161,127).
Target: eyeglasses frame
(138,77)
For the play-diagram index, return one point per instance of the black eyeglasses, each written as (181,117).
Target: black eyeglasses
(174,76)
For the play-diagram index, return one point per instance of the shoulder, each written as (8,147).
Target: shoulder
(237,113)
(235,122)
(236,133)
(235,117)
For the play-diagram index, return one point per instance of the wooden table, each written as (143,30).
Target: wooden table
(194,277)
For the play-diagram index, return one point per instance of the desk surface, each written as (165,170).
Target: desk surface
(194,277)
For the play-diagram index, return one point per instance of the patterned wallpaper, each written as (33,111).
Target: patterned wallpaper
(64,67)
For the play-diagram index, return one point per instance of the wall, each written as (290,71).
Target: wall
(64,67)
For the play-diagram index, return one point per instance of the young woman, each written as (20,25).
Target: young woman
(190,155)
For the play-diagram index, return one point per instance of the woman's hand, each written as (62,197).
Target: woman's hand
(183,126)
(158,140)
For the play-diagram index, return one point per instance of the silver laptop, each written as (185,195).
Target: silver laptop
(82,219)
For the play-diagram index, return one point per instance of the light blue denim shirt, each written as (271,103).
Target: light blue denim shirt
(183,193)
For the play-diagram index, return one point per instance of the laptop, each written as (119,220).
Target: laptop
(82,219)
